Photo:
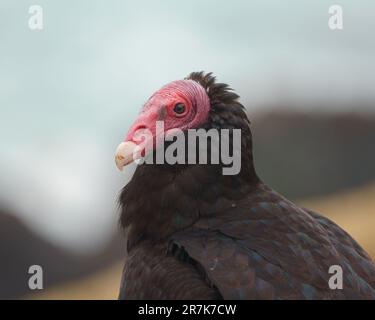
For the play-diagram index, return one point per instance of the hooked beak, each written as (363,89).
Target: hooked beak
(139,141)
(126,153)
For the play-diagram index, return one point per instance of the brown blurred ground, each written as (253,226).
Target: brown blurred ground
(352,210)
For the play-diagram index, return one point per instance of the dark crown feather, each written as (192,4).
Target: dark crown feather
(217,92)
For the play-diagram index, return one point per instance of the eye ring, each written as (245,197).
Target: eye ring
(179,108)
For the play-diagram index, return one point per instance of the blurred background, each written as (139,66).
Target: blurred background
(69,92)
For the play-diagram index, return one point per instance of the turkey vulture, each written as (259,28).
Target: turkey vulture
(193,232)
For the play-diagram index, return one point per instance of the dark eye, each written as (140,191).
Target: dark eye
(179,108)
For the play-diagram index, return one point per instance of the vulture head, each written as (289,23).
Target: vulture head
(181,104)
(161,197)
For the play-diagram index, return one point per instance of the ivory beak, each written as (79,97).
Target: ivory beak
(125,154)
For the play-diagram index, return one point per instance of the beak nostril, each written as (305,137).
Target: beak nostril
(139,131)
(140,127)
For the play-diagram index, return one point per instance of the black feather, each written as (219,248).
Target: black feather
(193,233)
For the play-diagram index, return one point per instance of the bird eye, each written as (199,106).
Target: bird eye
(179,108)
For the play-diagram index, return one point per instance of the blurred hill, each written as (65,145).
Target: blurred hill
(20,248)
(354,211)
(311,154)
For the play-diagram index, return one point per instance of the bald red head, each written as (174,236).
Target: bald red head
(181,104)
